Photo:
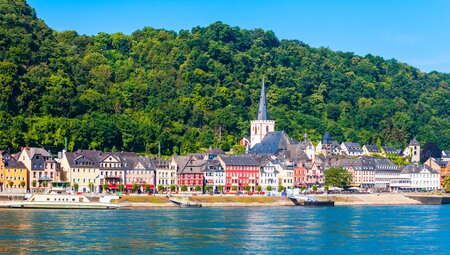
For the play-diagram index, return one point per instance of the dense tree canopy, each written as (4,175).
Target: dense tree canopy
(198,88)
(337,177)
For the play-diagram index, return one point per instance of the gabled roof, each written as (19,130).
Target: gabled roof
(415,169)
(263,114)
(216,151)
(372,148)
(194,166)
(272,143)
(446,154)
(239,161)
(354,147)
(12,163)
(91,155)
(40,151)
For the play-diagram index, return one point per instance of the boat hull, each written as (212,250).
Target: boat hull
(43,205)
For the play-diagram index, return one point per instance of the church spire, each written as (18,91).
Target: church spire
(263,114)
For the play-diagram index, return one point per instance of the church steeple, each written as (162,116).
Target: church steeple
(263,114)
(262,125)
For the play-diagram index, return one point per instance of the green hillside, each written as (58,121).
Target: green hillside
(198,88)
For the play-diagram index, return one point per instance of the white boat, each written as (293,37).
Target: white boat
(60,197)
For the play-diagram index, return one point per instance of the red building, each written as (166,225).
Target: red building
(240,171)
(191,174)
(300,175)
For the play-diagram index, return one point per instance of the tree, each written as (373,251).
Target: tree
(258,188)
(208,188)
(173,187)
(22,184)
(105,186)
(120,187)
(44,184)
(280,188)
(91,187)
(160,187)
(135,187)
(147,188)
(10,184)
(220,188)
(446,184)
(198,188)
(247,188)
(269,188)
(314,188)
(75,186)
(234,188)
(34,183)
(184,187)
(337,177)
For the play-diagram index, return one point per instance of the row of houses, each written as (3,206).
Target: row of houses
(92,170)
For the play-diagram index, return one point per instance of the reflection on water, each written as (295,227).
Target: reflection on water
(288,230)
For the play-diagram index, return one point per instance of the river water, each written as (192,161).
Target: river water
(270,230)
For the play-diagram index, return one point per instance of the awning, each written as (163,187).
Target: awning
(129,186)
(111,186)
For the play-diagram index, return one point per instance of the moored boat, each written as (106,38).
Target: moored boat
(60,197)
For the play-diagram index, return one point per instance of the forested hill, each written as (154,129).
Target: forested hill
(198,88)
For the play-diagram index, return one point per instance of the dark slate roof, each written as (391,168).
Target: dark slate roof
(440,162)
(263,114)
(414,169)
(326,139)
(91,155)
(161,163)
(414,142)
(355,147)
(216,151)
(194,167)
(391,150)
(239,161)
(12,163)
(272,143)
(372,148)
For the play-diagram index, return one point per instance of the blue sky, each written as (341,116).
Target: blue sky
(413,31)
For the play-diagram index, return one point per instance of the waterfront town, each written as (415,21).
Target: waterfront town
(272,162)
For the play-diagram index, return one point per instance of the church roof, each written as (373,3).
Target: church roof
(414,142)
(272,143)
(263,114)
(326,138)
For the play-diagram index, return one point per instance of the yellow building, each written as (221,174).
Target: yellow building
(2,171)
(15,176)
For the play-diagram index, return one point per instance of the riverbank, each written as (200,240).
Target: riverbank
(371,199)
(262,201)
(207,201)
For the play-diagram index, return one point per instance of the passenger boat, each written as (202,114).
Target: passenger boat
(185,204)
(60,197)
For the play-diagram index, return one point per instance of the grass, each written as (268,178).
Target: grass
(144,199)
(234,199)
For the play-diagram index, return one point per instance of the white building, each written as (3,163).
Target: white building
(413,151)
(285,173)
(166,173)
(351,149)
(268,176)
(214,175)
(385,171)
(415,177)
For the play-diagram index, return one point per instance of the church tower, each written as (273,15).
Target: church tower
(262,125)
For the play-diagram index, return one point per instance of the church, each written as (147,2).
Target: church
(265,140)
